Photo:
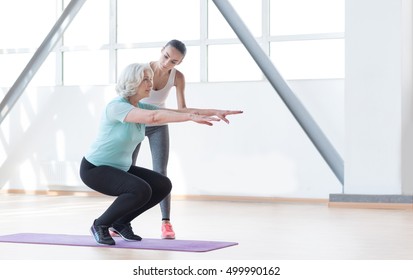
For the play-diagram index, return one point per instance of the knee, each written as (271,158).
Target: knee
(146,193)
(166,185)
(142,194)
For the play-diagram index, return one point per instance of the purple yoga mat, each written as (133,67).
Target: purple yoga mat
(89,241)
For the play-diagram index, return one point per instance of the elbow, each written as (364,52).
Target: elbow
(154,118)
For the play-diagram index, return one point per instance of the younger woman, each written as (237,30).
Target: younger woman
(166,76)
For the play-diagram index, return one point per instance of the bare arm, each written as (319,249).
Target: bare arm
(163,116)
(180,90)
(222,114)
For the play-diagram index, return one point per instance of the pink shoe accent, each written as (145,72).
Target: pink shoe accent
(167,231)
(113,234)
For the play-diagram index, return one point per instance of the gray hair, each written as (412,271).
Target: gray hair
(131,77)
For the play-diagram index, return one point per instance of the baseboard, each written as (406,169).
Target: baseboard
(50,192)
(371,201)
(335,200)
(250,199)
(175,197)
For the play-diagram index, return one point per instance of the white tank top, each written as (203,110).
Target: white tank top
(158,97)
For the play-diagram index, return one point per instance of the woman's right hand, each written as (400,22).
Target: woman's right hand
(202,119)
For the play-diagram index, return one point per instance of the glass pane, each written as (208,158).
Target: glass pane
(312,59)
(158,20)
(46,75)
(190,66)
(25,23)
(231,63)
(86,68)
(90,27)
(249,11)
(289,17)
(144,55)
(11,65)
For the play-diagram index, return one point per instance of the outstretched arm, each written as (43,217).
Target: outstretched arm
(221,114)
(163,116)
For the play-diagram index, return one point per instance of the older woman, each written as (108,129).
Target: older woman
(107,167)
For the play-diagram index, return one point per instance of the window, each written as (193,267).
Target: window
(190,66)
(307,38)
(303,38)
(249,11)
(90,27)
(309,59)
(86,67)
(85,46)
(20,23)
(142,55)
(11,65)
(231,63)
(157,20)
(22,30)
(290,17)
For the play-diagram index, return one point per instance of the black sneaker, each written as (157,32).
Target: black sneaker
(126,232)
(101,234)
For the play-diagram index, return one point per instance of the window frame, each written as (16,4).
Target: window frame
(203,42)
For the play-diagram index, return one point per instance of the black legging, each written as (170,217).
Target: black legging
(137,190)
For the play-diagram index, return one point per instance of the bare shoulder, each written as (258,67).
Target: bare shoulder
(179,77)
(179,74)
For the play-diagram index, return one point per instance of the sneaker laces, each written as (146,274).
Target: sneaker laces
(126,231)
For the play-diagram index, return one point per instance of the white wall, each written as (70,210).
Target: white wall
(263,152)
(378,154)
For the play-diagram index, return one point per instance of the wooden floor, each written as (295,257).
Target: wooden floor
(267,231)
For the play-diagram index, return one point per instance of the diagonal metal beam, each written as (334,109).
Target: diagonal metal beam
(313,131)
(39,57)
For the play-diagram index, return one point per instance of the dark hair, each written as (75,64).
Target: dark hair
(177,45)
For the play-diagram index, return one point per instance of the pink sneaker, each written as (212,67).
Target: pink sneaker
(167,231)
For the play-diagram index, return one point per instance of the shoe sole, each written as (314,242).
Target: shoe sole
(168,237)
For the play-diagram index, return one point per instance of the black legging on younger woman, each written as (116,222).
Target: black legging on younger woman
(137,190)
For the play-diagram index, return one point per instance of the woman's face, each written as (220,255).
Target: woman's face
(145,86)
(170,57)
